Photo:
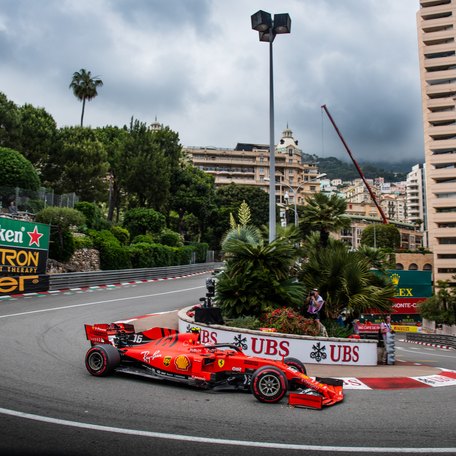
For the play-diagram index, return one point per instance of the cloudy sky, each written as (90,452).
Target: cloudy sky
(200,69)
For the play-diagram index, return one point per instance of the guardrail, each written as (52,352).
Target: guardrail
(93,278)
(437,339)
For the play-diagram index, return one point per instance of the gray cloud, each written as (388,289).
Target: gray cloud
(198,67)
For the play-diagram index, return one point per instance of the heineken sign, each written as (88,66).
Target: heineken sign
(17,233)
(23,256)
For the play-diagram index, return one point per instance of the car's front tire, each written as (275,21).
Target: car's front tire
(269,384)
(101,360)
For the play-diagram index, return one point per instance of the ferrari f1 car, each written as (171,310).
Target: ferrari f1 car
(166,354)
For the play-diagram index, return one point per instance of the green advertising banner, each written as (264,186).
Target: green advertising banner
(19,233)
(23,256)
(411,284)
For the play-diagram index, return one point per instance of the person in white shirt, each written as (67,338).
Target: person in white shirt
(315,303)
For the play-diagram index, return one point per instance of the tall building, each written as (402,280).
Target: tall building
(436,24)
(416,196)
(248,164)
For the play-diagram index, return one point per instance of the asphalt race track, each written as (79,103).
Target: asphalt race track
(50,405)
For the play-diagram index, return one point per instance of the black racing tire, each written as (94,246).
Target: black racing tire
(296,364)
(101,360)
(269,384)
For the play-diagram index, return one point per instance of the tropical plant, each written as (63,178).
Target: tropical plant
(325,214)
(257,274)
(84,87)
(345,279)
(380,259)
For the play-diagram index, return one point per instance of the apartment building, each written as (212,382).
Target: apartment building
(436,26)
(416,196)
(248,164)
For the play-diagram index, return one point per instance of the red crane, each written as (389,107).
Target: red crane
(372,194)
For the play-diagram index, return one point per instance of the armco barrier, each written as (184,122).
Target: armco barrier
(93,278)
(434,339)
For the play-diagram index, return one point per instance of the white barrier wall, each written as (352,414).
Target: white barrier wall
(310,350)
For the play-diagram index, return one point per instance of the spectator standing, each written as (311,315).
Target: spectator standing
(387,334)
(12,208)
(314,304)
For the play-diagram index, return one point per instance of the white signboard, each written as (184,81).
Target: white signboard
(308,350)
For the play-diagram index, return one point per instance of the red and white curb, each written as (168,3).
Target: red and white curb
(445,347)
(445,378)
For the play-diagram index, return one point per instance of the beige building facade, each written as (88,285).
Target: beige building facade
(436,26)
(248,164)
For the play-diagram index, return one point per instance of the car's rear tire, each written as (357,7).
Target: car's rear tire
(296,364)
(101,360)
(269,384)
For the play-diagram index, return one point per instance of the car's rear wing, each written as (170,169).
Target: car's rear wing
(112,333)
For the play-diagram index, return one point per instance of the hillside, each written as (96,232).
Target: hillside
(346,170)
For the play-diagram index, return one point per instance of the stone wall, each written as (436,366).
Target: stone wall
(83,260)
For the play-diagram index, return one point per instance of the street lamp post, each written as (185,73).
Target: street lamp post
(267,28)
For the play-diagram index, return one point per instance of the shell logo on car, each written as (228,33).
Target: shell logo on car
(182,362)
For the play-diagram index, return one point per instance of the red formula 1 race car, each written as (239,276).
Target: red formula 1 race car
(163,353)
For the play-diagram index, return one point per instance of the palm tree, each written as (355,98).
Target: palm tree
(257,274)
(345,279)
(84,87)
(325,214)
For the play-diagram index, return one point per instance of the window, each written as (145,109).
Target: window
(447,240)
(413,267)
(400,266)
(427,267)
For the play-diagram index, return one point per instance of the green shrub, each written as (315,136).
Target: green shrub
(201,249)
(63,217)
(183,255)
(169,237)
(121,234)
(143,239)
(244,322)
(112,254)
(142,221)
(61,244)
(146,255)
(83,242)
(93,215)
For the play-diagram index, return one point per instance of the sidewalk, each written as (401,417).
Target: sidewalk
(399,370)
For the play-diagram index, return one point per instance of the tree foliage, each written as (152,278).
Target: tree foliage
(143,221)
(382,235)
(17,171)
(193,195)
(441,307)
(83,164)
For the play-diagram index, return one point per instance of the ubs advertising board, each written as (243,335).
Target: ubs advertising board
(24,250)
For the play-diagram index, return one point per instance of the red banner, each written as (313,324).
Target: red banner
(401,306)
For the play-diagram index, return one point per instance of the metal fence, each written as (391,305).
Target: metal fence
(31,201)
(94,278)
(435,339)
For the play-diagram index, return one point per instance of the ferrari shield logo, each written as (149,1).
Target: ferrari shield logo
(221,363)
